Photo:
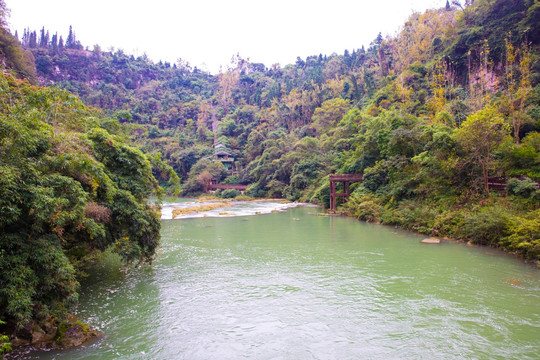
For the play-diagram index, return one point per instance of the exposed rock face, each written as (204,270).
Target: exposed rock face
(40,338)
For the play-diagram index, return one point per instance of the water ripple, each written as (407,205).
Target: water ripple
(318,288)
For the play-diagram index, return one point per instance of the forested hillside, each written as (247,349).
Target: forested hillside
(429,116)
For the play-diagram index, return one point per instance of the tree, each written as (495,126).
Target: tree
(228,82)
(183,65)
(4,14)
(517,62)
(480,135)
(416,41)
(329,114)
(70,189)
(97,51)
(71,41)
(15,58)
(438,88)
(32,42)
(71,38)
(204,179)
(54,43)
(43,38)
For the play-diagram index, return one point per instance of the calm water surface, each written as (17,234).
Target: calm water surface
(294,285)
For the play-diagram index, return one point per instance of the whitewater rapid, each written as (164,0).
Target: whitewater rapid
(233,208)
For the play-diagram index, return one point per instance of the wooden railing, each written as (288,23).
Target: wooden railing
(499,183)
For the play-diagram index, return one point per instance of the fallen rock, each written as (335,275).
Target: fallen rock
(18,342)
(431,241)
(38,337)
(51,335)
(77,335)
(73,333)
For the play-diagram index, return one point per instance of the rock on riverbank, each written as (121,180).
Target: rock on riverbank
(52,335)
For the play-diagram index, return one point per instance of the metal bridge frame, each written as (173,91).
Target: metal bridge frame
(346,179)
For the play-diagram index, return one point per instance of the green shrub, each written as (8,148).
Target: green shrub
(5,345)
(255,191)
(365,207)
(486,227)
(524,235)
(232,179)
(376,176)
(447,222)
(410,215)
(526,188)
(229,193)
(321,195)
(275,189)
(292,194)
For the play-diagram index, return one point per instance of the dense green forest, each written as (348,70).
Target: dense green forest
(71,188)
(429,117)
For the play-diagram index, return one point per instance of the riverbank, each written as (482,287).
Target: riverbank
(512,225)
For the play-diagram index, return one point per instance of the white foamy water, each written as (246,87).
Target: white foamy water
(235,208)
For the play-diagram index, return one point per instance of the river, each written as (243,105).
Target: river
(294,285)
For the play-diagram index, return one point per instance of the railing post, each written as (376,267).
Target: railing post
(332,195)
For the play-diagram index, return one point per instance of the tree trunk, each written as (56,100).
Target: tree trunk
(485,175)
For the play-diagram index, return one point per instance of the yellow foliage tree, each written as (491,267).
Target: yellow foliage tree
(481,134)
(438,88)
(518,63)
(419,36)
(227,82)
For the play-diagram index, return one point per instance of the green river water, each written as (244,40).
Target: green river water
(293,285)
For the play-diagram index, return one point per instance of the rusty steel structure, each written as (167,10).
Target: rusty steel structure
(346,179)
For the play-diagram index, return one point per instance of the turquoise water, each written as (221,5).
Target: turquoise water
(294,285)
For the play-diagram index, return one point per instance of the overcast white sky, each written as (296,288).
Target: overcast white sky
(207,33)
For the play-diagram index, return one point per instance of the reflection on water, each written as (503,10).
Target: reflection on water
(294,285)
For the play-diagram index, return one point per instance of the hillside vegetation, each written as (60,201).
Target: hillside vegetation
(429,116)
